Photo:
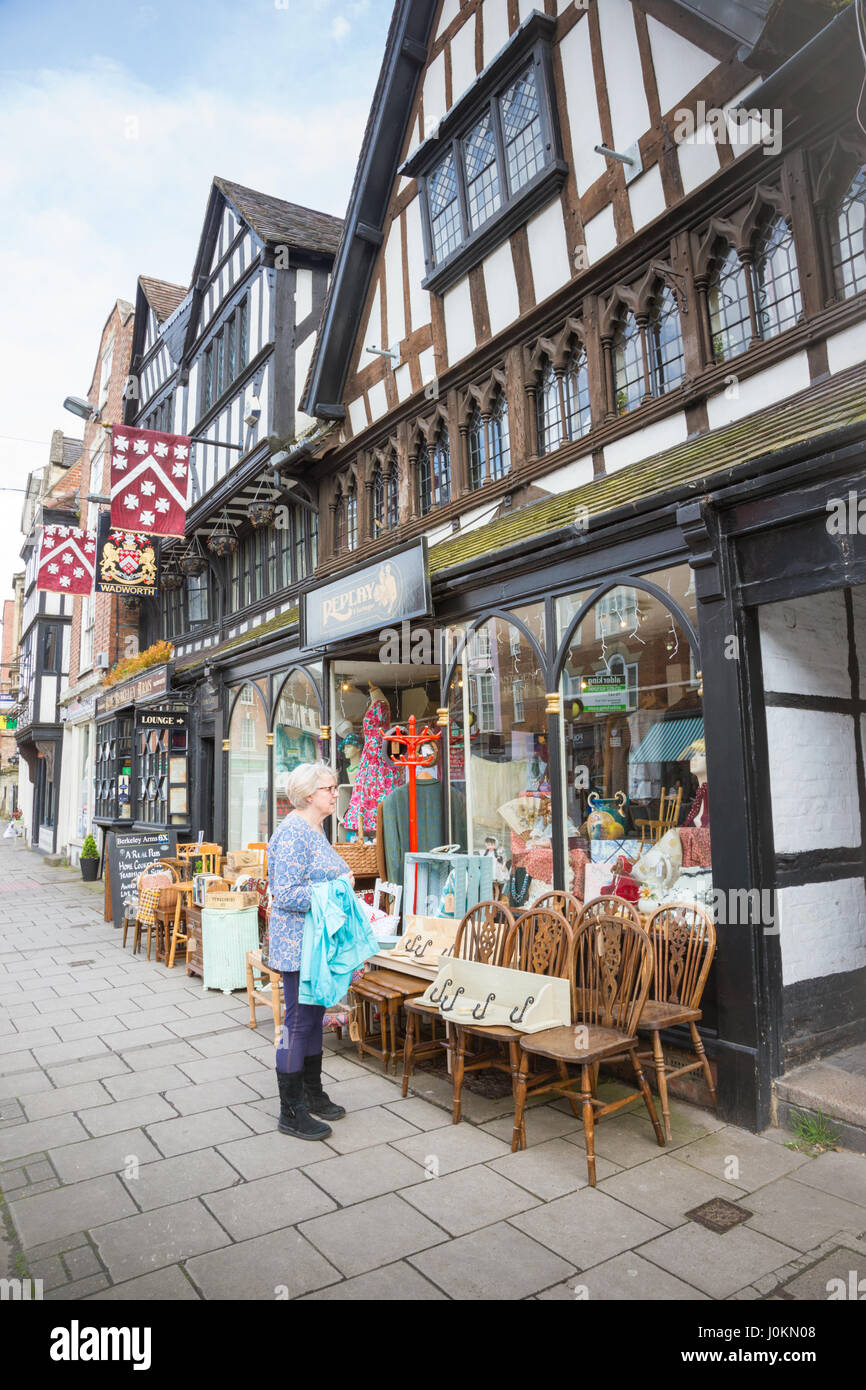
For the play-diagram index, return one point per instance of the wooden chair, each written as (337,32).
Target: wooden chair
(683,939)
(483,935)
(144,916)
(262,848)
(538,942)
(209,854)
(668,816)
(610,966)
(566,904)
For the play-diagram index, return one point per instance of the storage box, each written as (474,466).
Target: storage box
(231,901)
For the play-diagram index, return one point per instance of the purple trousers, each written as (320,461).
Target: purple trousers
(301,1034)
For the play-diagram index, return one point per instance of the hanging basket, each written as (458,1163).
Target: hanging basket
(262,513)
(222,543)
(172,579)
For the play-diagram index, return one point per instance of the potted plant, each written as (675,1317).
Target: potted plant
(89,860)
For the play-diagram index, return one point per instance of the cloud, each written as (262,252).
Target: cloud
(340,28)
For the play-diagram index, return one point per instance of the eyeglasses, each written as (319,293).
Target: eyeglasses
(331,789)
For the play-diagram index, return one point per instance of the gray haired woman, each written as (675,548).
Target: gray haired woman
(299,856)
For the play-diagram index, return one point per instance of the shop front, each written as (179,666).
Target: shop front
(141,761)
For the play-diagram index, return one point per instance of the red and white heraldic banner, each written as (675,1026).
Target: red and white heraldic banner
(67,560)
(149,481)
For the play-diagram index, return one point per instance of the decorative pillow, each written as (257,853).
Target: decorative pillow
(660,864)
(691,886)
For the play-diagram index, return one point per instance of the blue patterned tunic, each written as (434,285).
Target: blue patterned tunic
(298,855)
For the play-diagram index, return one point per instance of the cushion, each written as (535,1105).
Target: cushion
(661,863)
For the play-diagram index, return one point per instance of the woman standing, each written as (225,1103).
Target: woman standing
(298,856)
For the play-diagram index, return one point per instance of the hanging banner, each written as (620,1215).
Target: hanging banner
(149,481)
(127,562)
(66,560)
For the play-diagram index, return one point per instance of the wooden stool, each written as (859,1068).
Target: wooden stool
(389,990)
(257,975)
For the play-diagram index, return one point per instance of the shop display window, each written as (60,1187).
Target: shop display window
(297,735)
(113,763)
(248,769)
(161,775)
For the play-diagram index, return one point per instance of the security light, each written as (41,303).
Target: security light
(79,406)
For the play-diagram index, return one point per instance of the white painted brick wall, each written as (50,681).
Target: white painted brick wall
(822,929)
(813,780)
(804,646)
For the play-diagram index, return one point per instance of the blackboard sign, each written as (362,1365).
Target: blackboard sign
(128,856)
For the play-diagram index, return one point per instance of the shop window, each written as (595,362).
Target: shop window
(161,775)
(738,317)
(489,448)
(297,735)
(247,771)
(434,471)
(848,246)
(562,402)
(628,366)
(632,723)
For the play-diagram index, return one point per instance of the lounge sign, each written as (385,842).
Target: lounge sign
(376,596)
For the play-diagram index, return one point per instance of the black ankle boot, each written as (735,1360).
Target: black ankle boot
(314,1097)
(295,1118)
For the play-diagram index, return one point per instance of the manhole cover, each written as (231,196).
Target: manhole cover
(718,1215)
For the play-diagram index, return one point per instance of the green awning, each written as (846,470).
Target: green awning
(667,741)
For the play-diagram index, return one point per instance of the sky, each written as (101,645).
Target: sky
(114,118)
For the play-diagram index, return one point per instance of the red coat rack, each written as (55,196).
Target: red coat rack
(412,760)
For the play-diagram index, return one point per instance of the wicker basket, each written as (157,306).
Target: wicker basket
(361,859)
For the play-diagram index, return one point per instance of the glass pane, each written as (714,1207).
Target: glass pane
(566,608)
(297,730)
(444,208)
(521,124)
(730,323)
(667,362)
(849,250)
(500,446)
(548,404)
(632,731)
(477,449)
(482,175)
(777,282)
(628,367)
(576,386)
(248,771)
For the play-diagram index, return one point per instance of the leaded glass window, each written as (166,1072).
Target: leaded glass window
(665,344)
(576,383)
(628,366)
(562,402)
(521,128)
(848,239)
(777,282)
(377,518)
(340,525)
(482,174)
(392,514)
(434,472)
(352,517)
(730,320)
(489,448)
(775,288)
(444,207)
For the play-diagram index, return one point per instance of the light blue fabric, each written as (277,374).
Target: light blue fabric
(337,940)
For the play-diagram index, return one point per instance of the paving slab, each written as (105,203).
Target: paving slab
(66,1099)
(361,1237)
(830,1279)
(841,1174)
(497,1262)
(363,1091)
(356,1177)
(342,1068)
(781,1211)
(140,1244)
(543,1122)
(154,1081)
(37,1135)
(22,1060)
(80,1289)
(23,1084)
(365,1129)
(115,1153)
(196,1131)
(78,1050)
(443,1150)
(468,1199)
(550,1170)
(19,1038)
(264,1154)
(168,1180)
(169,1285)
(166,1055)
(746,1159)
(268,1204)
(97,1069)
(626,1277)
(718,1265)
(587,1227)
(260,1116)
(68,1209)
(281,1265)
(189,1100)
(419,1113)
(396,1283)
(135,1037)
(666,1189)
(126,1114)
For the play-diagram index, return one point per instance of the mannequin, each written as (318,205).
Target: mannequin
(699,811)
(375,776)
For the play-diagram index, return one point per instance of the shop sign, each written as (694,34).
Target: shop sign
(7,703)
(374,597)
(8,722)
(604,693)
(127,562)
(162,718)
(153,682)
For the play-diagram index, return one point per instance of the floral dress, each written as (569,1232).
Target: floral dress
(298,856)
(376,776)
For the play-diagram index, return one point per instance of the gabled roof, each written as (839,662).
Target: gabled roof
(275,220)
(162,296)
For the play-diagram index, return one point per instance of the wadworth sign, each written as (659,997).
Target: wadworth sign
(377,596)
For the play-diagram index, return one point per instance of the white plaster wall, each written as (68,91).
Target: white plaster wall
(434,94)
(572,475)
(463,59)
(500,283)
(357,415)
(255,294)
(629,113)
(525,8)
(495,35)
(548,250)
(427,365)
(804,646)
(822,929)
(459,329)
(679,65)
(643,443)
(394,286)
(378,400)
(646,197)
(373,329)
(813,780)
(450,11)
(403,381)
(699,158)
(47,698)
(303,357)
(419,300)
(755,392)
(576,56)
(847,348)
(480,516)
(600,234)
(303,294)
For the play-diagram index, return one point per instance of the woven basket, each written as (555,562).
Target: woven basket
(361,859)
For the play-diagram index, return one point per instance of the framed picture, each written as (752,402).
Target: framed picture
(177,801)
(177,771)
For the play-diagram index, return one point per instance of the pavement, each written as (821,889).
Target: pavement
(139,1158)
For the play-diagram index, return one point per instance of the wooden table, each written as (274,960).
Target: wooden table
(177,935)
(389,990)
